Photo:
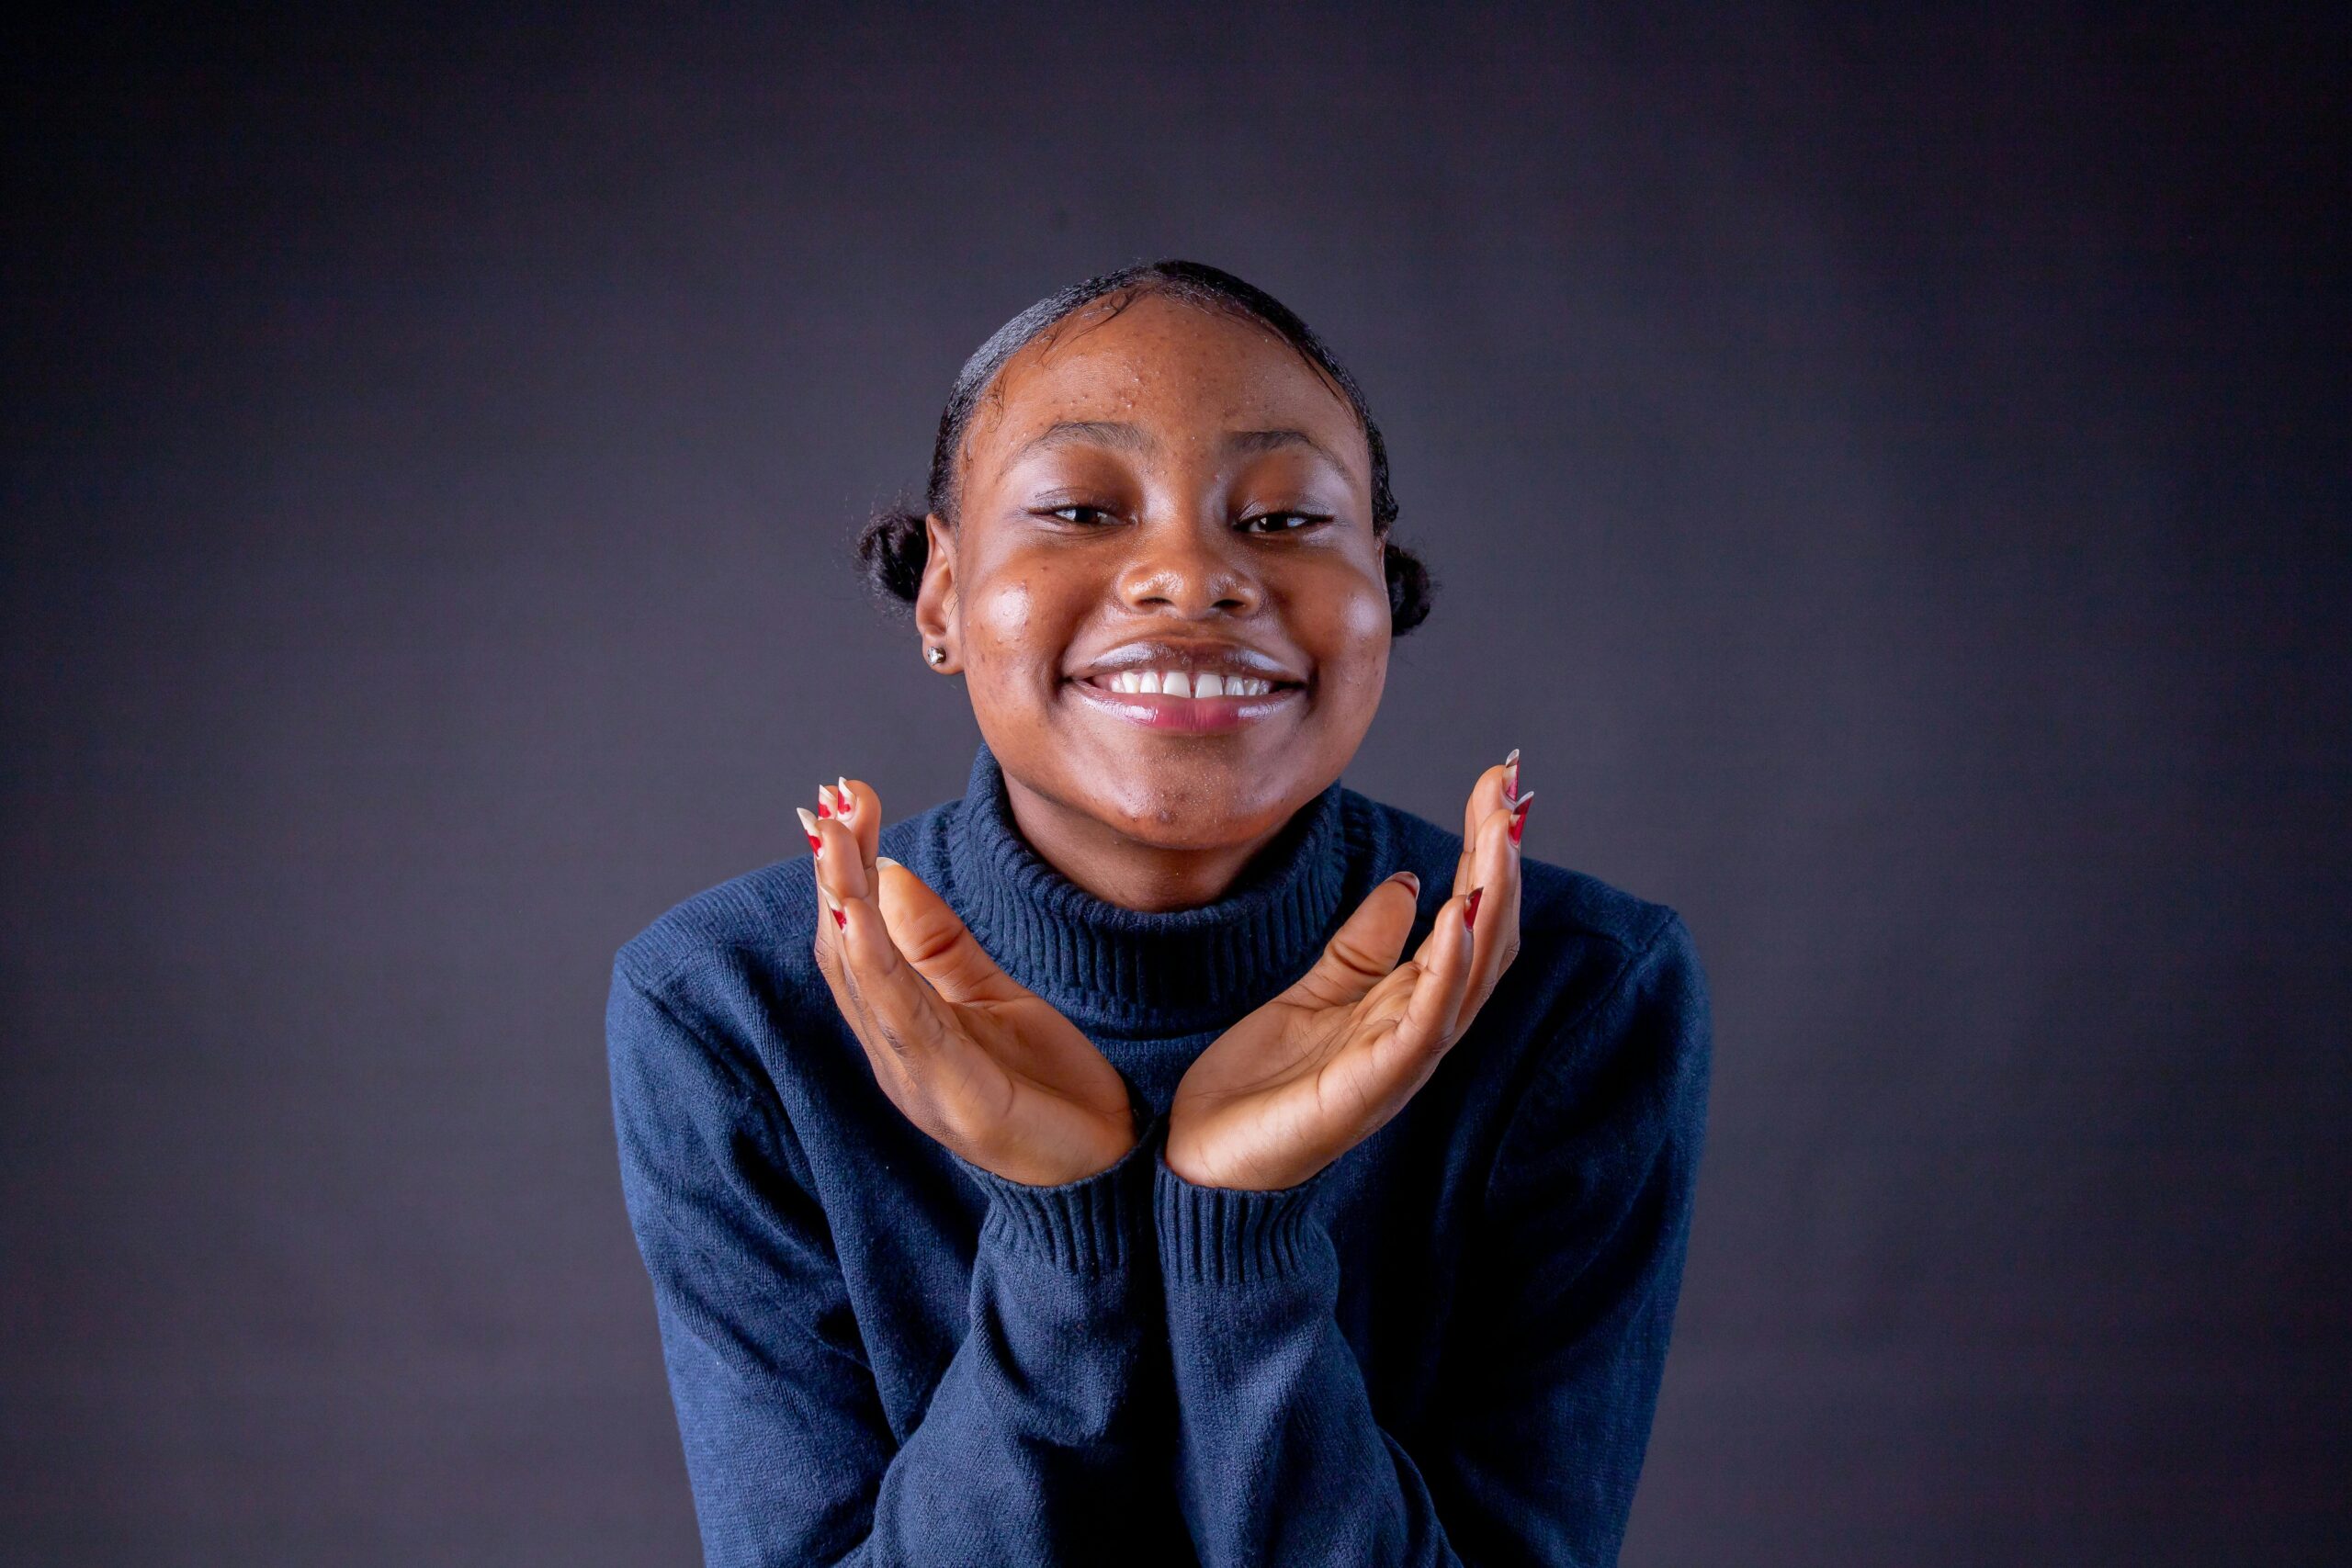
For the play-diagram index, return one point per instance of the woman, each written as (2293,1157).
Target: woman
(1073,1172)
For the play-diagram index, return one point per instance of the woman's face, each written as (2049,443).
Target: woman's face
(1164,496)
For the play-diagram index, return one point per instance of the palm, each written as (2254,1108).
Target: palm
(1032,1083)
(1302,1074)
(974,1058)
(1322,1066)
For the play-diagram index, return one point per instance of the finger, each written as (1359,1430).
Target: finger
(1490,794)
(936,941)
(1424,1028)
(902,1011)
(1363,950)
(854,802)
(842,875)
(1496,875)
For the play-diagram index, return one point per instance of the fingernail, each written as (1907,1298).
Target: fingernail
(1510,776)
(828,804)
(808,826)
(884,860)
(1519,816)
(845,801)
(839,918)
(1412,883)
(1470,907)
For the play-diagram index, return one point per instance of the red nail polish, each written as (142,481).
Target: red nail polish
(1470,907)
(818,844)
(822,808)
(1519,816)
(841,919)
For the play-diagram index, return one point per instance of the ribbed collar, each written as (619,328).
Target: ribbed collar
(1107,966)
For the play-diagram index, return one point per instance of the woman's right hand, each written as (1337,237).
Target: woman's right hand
(975,1059)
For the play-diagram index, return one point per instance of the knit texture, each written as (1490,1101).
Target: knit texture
(1443,1348)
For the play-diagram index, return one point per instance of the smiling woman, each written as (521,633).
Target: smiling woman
(1093,1177)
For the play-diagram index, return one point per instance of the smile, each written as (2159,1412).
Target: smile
(1179,684)
(1198,703)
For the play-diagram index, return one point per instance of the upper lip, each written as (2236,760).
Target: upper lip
(1195,655)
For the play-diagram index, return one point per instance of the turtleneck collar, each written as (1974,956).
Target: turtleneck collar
(1107,966)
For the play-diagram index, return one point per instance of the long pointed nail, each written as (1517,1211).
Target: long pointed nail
(1510,776)
(808,826)
(830,903)
(1470,907)
(1519,816)
(845,802)
(827,804)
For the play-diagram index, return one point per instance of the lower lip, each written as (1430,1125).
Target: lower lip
(1190,716)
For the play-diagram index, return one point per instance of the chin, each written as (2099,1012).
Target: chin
(1208,809)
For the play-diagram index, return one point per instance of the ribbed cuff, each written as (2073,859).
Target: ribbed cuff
(1231,1236)
(1094,1226)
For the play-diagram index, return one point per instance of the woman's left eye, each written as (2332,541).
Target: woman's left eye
(1279,522)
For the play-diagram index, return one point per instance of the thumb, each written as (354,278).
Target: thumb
(932,937)
(1362,952)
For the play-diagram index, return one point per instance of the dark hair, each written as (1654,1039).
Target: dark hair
(892,547)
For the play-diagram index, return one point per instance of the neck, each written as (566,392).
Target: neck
(1123,871)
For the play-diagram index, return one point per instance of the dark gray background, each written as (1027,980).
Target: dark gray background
(1890,479)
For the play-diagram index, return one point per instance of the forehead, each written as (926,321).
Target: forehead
(1184,372)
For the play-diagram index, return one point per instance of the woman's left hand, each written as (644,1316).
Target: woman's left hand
(1322,1066)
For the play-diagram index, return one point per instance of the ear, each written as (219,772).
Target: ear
(937,616)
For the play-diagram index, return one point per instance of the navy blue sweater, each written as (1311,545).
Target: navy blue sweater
(1443,1348)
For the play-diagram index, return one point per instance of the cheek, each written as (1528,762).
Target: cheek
(999,616)
(1352,634)
(1368,620)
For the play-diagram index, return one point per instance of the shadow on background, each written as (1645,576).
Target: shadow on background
(1890,481)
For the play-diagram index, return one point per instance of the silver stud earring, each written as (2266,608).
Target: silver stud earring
(935,654)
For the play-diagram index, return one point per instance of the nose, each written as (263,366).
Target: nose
(1190,569)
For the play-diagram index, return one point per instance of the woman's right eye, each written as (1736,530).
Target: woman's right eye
(1077,513)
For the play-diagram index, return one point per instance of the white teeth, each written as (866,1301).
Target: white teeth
(1180,684)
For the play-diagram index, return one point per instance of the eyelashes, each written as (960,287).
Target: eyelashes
(1298,520)
(1095,516)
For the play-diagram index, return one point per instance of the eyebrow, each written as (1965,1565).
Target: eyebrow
(1133,438)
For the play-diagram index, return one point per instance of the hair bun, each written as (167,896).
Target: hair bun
(1409,589)
(892,548)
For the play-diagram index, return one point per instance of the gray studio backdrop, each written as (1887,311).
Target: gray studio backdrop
(1889,479)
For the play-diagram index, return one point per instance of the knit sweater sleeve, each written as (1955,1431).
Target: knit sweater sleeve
(1549,1375)
(1025,1449)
